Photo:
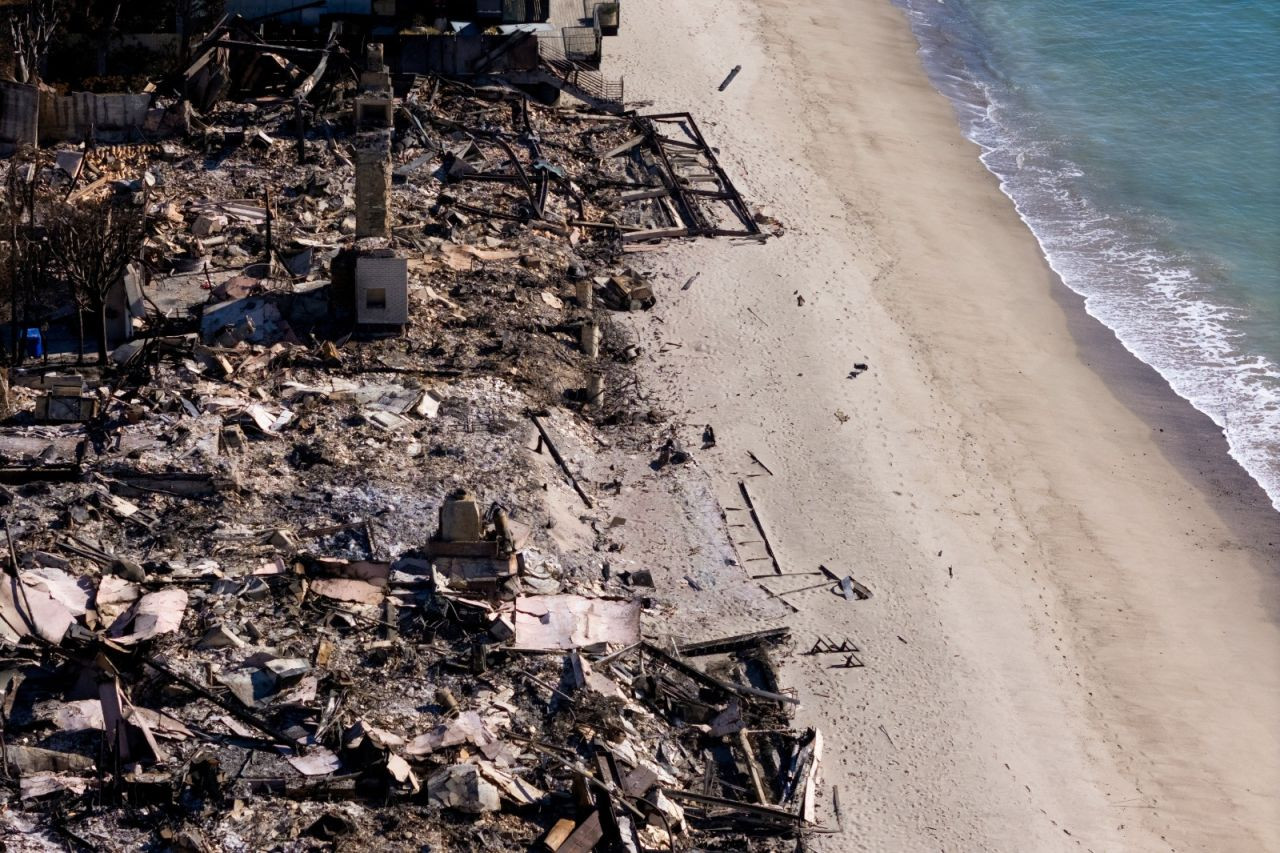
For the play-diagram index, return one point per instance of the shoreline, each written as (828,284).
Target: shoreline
(947,63)
(1071,617)
(1186,436)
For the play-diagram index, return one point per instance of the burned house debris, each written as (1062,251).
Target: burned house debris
(286,565)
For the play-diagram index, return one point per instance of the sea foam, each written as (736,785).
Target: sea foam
(1161,300)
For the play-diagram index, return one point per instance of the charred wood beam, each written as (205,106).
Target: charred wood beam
(753,768)
(711,681)
(755,518)
(19,475)
(520,173)
(736,643)
(309,82)
(736,202)
(231,708)
(564,466)
(494,177)
(480,211)
(688,213)
(772,814)
(282,49)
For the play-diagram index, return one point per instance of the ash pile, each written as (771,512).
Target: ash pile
(317,554)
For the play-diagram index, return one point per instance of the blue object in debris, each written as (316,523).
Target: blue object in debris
(34,343)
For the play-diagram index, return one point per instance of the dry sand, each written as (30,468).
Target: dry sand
(1072,643)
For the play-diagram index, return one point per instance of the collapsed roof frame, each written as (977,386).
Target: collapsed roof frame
(223,37)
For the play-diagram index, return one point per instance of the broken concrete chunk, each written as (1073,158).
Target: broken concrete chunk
(220,636)
(285,540)
(429,405)
(129,570)
(511,787)
(402,773)
(303,692)
(266,420)
(384,739)
(287,670)
(502,628)
(462,788)
(381,738)
(460,520)
(393,399)
(628,293)
(207,225)
(232,438)
(118,506)
(670,810)
(388,422)
(375,573)
(603,684)
(476,573)
(79,715)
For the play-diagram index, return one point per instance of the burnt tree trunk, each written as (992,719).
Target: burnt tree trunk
(80,334)
(100,309)
(13,290)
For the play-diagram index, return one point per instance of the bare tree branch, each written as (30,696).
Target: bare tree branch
(94,244)
(32,27)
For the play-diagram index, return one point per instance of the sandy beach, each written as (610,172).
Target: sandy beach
(1072,640)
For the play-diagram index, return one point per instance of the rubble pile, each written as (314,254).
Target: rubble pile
(312,560)
(203,675)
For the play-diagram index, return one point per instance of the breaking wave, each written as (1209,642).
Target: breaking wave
(1162,302)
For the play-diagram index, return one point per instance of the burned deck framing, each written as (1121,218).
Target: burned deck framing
(676,186)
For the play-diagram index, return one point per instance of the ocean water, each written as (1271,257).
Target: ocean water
(1140,141)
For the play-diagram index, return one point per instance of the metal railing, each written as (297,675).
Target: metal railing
(552,50)
(582,44)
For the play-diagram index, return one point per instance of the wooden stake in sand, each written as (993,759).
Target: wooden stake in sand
(756,460)
(555,454)
(755,517)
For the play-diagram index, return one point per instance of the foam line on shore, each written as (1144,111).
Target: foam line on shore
(1155,299)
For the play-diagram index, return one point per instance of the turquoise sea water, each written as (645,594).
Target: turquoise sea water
(1140,140)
